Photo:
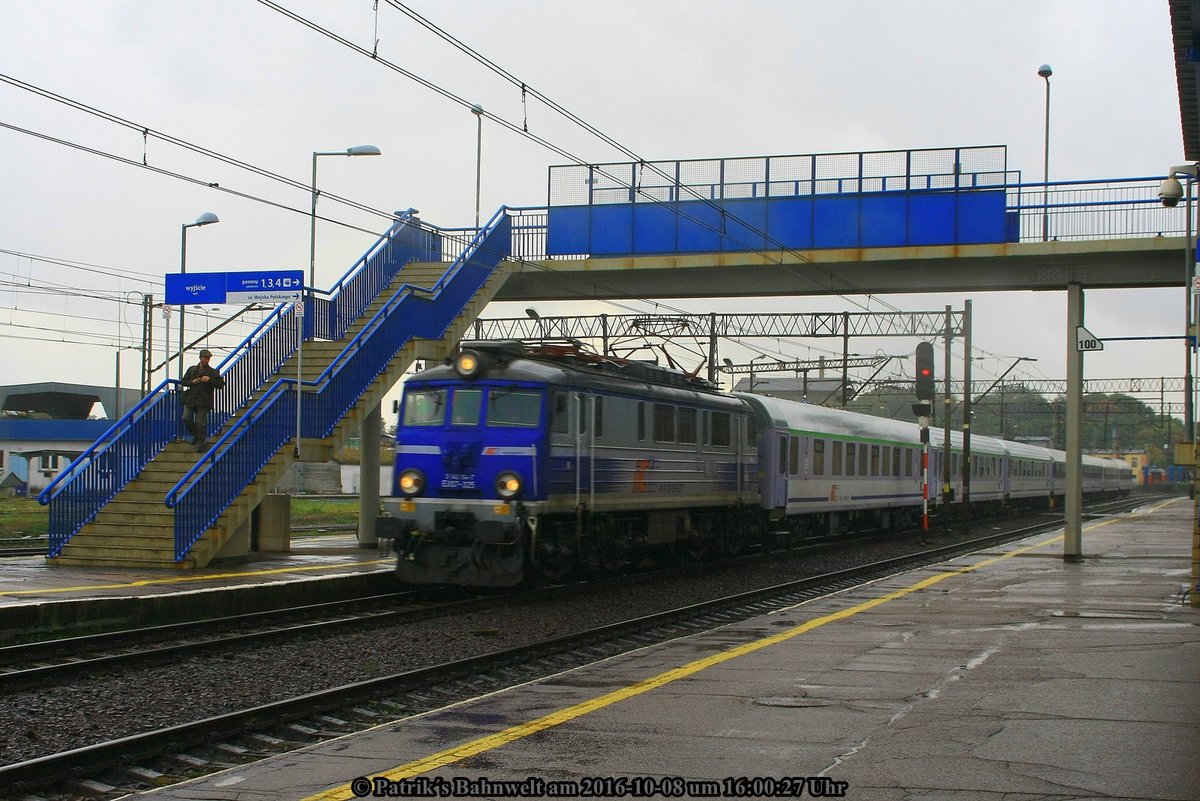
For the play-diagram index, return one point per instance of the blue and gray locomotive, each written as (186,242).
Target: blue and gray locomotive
(514,463)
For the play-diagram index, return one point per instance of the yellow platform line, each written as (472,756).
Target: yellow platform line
(478,746)
(181,579)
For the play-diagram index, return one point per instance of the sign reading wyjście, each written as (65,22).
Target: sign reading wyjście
(262,286)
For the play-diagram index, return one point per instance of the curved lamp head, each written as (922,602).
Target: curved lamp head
(207,218)
(1045,71)
(363,150)
(477,110)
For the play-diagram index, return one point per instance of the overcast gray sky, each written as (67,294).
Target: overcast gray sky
(670,80)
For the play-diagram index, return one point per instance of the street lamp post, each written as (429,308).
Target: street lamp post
(477,110)
(207,218)
(1046,72)
(357,150)
(1170,192)
(752,361)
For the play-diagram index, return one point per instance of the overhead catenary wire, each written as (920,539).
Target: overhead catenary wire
(825,273)
(147,133)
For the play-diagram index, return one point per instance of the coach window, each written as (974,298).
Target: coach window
(908,462)
(427,408)
(687,425)
(896,461)
(794,456)
(721,429)
(664,423)
(864,456)
(850,451)
(836,468)
(818,463)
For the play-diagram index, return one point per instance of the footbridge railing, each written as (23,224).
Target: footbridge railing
(204,493)
(76,496)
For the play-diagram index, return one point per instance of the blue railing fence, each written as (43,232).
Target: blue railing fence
(211,486)
(92,480)
(78,493)
(778,176)
(1105,208)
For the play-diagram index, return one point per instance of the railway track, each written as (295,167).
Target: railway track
(248,734)
(41,661)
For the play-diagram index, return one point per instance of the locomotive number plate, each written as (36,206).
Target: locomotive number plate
(502,509)
(408,506)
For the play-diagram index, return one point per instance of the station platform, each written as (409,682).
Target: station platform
(35,596)
(1005,674)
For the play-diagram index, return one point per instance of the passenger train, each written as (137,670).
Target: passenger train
(515,463)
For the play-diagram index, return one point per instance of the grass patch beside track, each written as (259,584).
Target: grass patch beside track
(25,518)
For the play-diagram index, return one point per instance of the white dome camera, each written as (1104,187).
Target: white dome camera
(1170,192)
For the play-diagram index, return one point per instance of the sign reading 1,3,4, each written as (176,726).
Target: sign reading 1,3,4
(1086,340)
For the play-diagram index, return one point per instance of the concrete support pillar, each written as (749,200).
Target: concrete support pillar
(1073,533)
(368,477)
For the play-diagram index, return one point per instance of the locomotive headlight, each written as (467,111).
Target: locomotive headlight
(508,485)
(411,482)
(467,364)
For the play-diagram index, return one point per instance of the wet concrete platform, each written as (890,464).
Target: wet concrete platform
(1007,674)
(35,596)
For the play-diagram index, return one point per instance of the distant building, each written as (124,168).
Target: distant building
(823,391)
(46,426)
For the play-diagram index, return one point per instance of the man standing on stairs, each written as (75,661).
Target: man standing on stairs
(200,382)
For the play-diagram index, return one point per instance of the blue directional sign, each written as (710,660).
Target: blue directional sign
(262,286)
(279,286)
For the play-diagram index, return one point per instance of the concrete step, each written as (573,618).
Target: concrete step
(130,562)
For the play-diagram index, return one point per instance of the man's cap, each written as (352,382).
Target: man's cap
(206,352)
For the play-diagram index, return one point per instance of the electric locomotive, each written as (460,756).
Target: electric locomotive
(515,463)
(512,463)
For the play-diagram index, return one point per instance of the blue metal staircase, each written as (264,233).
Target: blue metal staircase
(139,497)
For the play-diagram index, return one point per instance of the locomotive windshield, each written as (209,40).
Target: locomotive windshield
(506,408)
(425,407)
(467,405)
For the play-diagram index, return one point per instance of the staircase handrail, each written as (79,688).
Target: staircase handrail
(109,464)
(235,451)
(318,418)
(103,442)
(473,248)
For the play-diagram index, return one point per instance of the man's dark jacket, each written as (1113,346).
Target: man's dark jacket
(200,393)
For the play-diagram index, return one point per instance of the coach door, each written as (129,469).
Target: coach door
(779,471)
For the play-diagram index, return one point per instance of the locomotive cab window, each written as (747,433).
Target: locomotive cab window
(507,408)
(466,407)
(425,407)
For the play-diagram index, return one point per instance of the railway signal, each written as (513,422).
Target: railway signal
(924,371)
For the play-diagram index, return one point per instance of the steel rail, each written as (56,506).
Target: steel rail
(681,620)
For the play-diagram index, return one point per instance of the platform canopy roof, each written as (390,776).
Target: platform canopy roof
(1185,35)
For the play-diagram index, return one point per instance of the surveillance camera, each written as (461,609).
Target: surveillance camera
(1170,192)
